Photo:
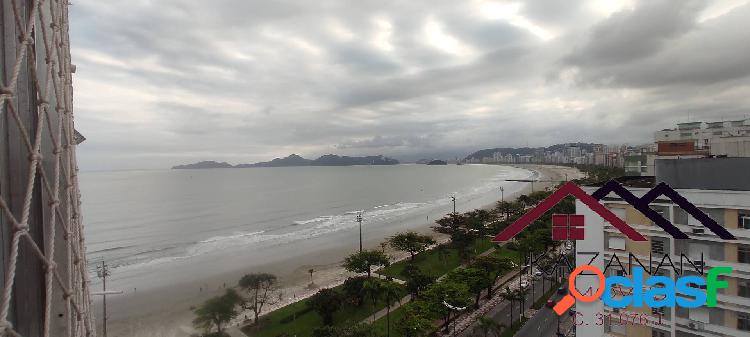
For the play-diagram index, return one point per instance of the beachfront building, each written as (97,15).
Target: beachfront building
(728,138)
(720,188)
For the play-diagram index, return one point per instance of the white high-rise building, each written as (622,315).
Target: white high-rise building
(720,188)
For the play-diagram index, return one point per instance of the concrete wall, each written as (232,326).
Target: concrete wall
(705,173)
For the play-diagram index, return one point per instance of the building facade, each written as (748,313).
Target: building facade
(729,208)
(701,137)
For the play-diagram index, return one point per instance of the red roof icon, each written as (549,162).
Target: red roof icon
(569,188)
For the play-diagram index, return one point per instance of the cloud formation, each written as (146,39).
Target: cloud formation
(165,82)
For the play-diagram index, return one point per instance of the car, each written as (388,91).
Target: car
(538,273)
(562,290)
(550,303)
(524,284)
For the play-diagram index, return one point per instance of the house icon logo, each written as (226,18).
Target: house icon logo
(571,226)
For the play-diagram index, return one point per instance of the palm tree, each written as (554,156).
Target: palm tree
(508,295)
(372,288)
(390,293)
(489,326)
(521,296)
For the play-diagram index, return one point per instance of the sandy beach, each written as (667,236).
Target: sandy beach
(169,313)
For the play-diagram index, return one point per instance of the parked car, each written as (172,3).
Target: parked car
(562,290)
(524,284)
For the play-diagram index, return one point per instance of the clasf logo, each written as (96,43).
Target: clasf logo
(661,291)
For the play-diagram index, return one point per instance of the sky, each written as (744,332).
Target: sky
(166,82)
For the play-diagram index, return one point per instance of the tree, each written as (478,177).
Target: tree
(489,326)
(509,295)
(353,290)
(475,280)
(391,293)
(372,288)
(217,311)
(493,267)
(509,208)
(260,288)
(411,242)
(325,302)
(416,280)
(521,297)
(528,246)
(444,297)
(455,225)
(364,261)
(415,322)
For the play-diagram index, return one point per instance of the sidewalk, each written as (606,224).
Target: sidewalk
(380,314)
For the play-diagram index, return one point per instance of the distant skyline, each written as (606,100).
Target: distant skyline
(160,83)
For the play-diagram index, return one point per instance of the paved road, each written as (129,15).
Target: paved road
(502,312)
(544,322)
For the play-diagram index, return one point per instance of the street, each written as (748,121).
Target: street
(544,322)
(502,312)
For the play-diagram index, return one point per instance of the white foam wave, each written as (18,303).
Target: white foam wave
(326,224)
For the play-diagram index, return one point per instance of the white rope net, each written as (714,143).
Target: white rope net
(45,282)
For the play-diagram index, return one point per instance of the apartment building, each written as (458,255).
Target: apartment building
(722,191)
(728,138)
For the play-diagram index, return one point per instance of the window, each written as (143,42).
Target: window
(657,246)
(658,333)
(743,321)
(743,288)
(744,220)
(617,243)
(743,254)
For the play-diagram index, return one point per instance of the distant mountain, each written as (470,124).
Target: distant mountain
(438,162)
(291,160)
(295,160)
(334,160)
(203,165)
(526,151)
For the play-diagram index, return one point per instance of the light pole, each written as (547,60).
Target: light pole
(502,194)
(453,198)
(102,272)
(359,219)
(450,309)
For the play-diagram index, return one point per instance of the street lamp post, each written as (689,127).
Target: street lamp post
(453,198)
(359,219)
(502,194)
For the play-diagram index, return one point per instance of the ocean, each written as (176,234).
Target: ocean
(157,229)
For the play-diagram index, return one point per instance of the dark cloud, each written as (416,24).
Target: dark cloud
(171,81)
(635,34)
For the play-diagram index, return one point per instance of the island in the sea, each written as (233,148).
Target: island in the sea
(296,160)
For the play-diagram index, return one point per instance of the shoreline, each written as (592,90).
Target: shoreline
(175,320)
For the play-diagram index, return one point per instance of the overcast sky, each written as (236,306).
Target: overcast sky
(164,82)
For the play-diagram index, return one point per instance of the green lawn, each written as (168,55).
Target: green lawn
(435,264)
(379,327)
(507,253)
(297,319)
